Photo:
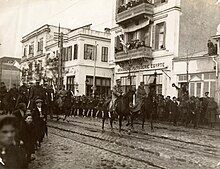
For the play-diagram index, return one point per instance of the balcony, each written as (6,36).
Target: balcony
(125,13)
(144,52)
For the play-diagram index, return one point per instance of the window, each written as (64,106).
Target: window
(198,89)
(40,45)
(149,79)
(25,52)
(69,53)
(89,52)
(182,78)
(160,36)
(212,89)
(70,83)
(125,83)
(104,54)
(192,89)
(209,76)
(31,48)
(64,52)
(103,86)
(75,51)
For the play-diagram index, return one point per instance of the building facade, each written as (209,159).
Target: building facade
(9,74)
(85,53)
(155,38)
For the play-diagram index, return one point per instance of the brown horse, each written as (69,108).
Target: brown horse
(122,110)
(145,111)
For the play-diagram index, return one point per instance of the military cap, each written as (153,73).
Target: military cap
(38,100)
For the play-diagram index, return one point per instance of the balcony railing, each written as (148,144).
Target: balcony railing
(126,12)
(137,53)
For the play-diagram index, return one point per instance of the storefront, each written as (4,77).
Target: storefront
(102,86)
(147,72)
(201,74)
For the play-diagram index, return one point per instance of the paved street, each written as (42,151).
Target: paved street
(80,143)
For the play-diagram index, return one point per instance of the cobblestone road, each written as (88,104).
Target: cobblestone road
(81,144)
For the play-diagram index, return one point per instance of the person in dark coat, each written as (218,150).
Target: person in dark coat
(168,102)
(50,95)
(212,112)
(39,119)
(27,135)
(174,111)
(11,156)
(19,113)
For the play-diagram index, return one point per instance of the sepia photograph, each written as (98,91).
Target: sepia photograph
(109,84)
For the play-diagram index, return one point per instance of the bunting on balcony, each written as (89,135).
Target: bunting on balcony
(17,65)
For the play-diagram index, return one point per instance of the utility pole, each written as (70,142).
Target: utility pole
(93,84)
(60,58)
(129,70)
(187,70)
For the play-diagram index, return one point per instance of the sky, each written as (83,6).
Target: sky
(20,17)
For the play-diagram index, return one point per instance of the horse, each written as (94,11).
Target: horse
(122,110)
(58,106)
(144,111)
(67,105)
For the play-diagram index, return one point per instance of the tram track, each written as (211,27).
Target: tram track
(107,150)
(195,150)
(73,122)
(149,151)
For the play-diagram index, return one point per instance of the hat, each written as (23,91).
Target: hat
(38,100)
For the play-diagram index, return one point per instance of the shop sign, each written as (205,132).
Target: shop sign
(139,67)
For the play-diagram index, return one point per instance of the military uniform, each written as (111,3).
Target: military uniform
(116,93)
(36,92)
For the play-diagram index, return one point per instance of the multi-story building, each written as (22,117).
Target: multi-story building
(9,74)
(34,51)
(85,53)
(157,36)
(217,72)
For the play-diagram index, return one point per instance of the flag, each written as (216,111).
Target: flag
(125,46)
(17,65)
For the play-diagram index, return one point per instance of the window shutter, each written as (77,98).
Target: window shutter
(153,37)
(75,51)
(157,32)
(85,51)
(70,53)
(103,54)
(164,36)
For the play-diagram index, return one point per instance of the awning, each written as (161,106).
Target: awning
(137,27)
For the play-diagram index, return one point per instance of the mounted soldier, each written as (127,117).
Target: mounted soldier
(23,94)
(141,94)
(36,91)
(116,93)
